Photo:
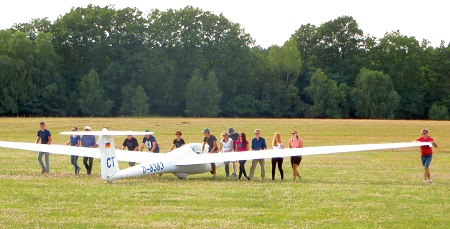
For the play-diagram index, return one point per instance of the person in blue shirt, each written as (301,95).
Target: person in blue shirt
(45,137)
(258,143)
(150,141)
(74,140)
(88,141)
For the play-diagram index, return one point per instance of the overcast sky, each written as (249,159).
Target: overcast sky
(273,22)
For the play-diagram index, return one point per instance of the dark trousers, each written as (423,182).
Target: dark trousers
(88,165)
(242,169)
(278,161)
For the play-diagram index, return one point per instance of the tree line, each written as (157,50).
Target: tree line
(102,61)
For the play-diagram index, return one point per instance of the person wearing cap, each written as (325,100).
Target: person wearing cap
(150,141)
(88,141)
(426,154)
(74,140)
(258,143)
(132,145)
(178,141)
(234,136)
(45,137)
(211,140)
(295,142)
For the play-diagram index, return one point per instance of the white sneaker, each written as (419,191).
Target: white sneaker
(431,181)
(424,181)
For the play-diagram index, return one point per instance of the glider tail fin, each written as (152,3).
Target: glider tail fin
(108,159)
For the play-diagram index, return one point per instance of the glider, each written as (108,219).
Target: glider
(181,161)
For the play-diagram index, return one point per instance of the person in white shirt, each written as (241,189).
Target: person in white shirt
(226,145)
(277,144)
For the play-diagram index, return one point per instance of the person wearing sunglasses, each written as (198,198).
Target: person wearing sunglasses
(74,140)
(226,146)
(178,141)
(426,154)
(295,142)
(258,143)
(277,144)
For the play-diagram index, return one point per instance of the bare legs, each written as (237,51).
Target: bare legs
(295,172)
(427,174)
(213,169)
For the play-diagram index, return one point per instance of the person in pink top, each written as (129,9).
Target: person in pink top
(295,142)
(426,153)
(242,145)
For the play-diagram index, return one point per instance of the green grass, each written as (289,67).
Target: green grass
(377,189)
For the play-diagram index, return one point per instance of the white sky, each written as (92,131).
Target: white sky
(273,22)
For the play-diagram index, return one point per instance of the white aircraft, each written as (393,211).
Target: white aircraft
(181,161)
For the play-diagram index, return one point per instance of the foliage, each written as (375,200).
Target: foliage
(326,96)
(91,96)
(374,95)
(43,65)
(398,57)
(135,101)
(438,112)
(203,95)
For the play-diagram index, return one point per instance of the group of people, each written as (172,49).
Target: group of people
(231,142)
(149,141)
(234,142)
(44,136)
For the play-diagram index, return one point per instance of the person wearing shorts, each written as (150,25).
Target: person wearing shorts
(295,142)
(426,154)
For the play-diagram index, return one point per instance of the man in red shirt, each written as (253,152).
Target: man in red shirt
(426,154)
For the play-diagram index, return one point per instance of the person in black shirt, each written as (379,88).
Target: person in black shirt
(178,141)
(211,140)
(132,144)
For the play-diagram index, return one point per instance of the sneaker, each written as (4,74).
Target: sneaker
(215,177)
(424,181)
(78,170)
(431,181)
(234,175)
(43,171)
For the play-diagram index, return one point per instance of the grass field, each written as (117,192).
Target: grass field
(377,189)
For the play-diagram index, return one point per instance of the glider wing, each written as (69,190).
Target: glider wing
(122,155)
(248,155)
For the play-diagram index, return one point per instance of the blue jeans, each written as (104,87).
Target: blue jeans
(227,168)
(74,161)
(47,163)
(426,160)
